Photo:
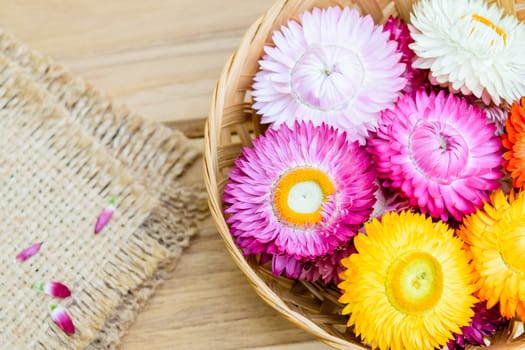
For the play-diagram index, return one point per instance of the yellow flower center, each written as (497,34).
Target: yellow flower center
(414,283)
(485,21)
(512,248)
(299,196)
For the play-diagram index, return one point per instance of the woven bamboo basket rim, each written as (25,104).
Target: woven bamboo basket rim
(232,124)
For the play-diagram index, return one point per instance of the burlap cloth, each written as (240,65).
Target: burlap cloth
(65,149)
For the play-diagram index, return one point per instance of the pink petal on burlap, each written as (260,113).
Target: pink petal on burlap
(29,252)
(54,289)
(62,319)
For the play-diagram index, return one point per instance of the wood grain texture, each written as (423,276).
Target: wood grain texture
(162,58)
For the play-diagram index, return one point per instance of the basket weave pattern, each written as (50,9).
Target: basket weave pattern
(232,124)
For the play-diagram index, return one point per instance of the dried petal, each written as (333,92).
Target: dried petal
(62,318)
(29,252)
(55,289)
(106,215)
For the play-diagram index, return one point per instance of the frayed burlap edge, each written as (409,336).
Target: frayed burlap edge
(155,155)
(132,303)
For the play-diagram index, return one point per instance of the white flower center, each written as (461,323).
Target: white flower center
(327,77)
(305,197)
(438,151)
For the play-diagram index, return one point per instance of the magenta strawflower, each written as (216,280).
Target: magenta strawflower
(54,289)
(29,252)
(62,319)
(333,66)
(286,265)
(106,215)
(439,152)
(416,78)
(327,269)
(483,325)
(301,191)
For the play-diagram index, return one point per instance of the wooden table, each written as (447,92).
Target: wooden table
(162,58)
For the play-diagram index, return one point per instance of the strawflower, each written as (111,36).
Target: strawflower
(496,235)
(514,143)
(300,192)
(439,152)
(334,67)
(410,285)
(470,47)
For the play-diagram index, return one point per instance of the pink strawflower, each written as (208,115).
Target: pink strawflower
(106,215)
(387,201)
(54,289)
(301,191)
(287,265)
(334,67)
(483,325)
(439,152)
(327,269)
(416,78)
(29,252)
(62,318)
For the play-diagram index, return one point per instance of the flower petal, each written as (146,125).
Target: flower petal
(54,289)
(106,215)
(29,252)
(62,318)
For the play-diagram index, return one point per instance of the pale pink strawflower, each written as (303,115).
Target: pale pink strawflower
(62,319)
(301,192)
(29,252)
(439,152)
(333,66)
(106,215)
(54,289)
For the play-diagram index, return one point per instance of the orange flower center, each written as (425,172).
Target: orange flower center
(414,283)
(486,22)
(300,194)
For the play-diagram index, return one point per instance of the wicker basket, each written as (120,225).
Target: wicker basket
(232,124)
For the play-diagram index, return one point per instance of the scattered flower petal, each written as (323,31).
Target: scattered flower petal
(29,252)
(106,215)
(62,318)
(55,289)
